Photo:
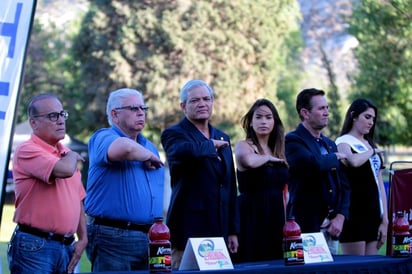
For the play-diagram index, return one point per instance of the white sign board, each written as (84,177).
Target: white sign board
(15,22)
(205,254)
(315,248)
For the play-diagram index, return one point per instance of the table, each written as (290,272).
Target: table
(342,264)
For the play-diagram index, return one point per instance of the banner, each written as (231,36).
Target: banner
(399,199)
(16,17)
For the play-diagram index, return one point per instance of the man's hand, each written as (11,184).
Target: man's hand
(220,143)
(233,243)
(74,155)
(336,225)
(153,163)
(79,247)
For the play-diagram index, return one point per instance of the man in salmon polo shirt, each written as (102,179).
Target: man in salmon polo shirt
(49,194)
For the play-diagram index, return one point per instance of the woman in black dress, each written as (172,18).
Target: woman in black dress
(364,232)
(262,174)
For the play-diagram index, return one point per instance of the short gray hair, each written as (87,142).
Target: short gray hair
(192,84)
(116,99)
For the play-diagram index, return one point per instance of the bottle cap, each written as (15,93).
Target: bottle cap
(400,214)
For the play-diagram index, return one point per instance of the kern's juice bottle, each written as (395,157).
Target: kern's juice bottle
(292,243)
(160,249)
(400,236)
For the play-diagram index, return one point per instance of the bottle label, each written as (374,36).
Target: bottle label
(293,251)
(401,246)
(160,258)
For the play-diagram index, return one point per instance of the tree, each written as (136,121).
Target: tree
(384,31)
(289,80)
(49,66)
(326,55)
(334,98)
(45,65)
(156,46)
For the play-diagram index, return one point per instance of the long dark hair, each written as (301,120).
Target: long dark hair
(355,109)
(277,136)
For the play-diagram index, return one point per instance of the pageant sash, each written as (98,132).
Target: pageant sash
(359,147)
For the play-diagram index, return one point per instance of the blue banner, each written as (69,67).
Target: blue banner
(16,19)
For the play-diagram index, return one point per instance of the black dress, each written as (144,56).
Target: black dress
(364,211)
(262,213)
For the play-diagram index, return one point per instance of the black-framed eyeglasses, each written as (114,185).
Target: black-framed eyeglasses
(54,116)
(134,108)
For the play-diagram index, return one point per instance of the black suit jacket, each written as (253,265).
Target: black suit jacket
(203,199)
(318,187)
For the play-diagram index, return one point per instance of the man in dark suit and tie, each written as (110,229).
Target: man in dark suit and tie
(203,199)
(319,191)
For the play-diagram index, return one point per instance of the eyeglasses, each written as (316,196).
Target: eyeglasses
(134,108)
(54,116)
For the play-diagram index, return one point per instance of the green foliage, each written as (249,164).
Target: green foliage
(45,54)
(335,119)
(384,30)
(49,67)
(156,46)
(289,80)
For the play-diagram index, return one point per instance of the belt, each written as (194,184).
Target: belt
(122,224)
(66,240)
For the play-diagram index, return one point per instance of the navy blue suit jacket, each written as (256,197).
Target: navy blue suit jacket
(203,199)
(318,187)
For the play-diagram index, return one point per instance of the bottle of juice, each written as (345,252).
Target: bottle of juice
(400,236)
(160,249)
(292,243)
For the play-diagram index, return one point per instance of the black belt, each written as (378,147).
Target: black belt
(122,224)
(66,240)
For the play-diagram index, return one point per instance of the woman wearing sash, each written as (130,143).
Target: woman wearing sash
(365,231)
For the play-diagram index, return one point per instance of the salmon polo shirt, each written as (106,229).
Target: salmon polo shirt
(53,206)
